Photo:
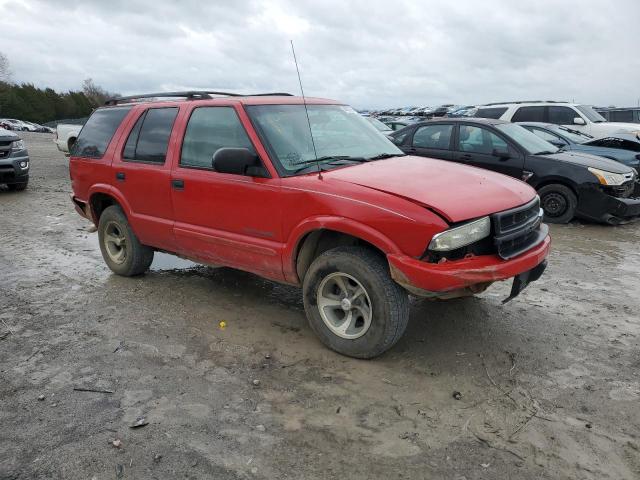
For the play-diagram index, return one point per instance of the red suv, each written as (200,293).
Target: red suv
(310,195)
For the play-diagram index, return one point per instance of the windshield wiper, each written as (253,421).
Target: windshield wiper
(382,156)
(546,152)
(328,160)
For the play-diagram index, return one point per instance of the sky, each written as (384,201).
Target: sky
(367,53)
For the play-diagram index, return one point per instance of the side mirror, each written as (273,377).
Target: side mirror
(238,161)
(501,153)
(579,121)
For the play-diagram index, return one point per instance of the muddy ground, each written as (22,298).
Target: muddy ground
(549,382)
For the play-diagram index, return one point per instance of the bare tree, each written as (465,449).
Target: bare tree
(95,93)
(5,69)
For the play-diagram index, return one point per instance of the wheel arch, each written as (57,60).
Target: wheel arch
(318,235)
(103,196)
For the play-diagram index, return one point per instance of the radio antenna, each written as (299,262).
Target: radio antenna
(304,101)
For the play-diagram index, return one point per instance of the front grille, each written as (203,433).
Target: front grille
(621,191)
(518,229)
(4,153)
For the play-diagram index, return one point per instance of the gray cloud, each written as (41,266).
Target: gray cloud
(367,53)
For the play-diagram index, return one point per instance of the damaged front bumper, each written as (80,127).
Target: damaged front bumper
(600,206)
(458,278)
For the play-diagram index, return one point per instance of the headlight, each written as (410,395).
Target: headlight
(460,236)
(608,178)
(17,145)
(24,164)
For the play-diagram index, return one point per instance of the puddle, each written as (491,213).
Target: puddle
(165,261)
(161,261)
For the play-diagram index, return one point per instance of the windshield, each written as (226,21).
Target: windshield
(591,114)
(573,135)
(378,124)
(526,139)
(338,131)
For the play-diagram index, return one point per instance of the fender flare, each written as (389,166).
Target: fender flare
(338,224)
(107,189)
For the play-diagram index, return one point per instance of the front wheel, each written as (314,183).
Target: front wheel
(122,251)
(352,303)
(558,203)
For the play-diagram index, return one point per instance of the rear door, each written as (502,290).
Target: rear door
(432,140)
(481,147)
(221,218)
(141,172)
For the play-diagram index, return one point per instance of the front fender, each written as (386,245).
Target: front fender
(338,224)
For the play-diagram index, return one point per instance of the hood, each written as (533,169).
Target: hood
(456,192)
(588,160)
(622,127)
(8,136)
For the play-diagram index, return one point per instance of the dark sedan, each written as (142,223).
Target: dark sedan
(624,147)
(570,184)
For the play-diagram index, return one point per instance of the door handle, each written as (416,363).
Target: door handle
(465,156)
(120,176)
(177,184)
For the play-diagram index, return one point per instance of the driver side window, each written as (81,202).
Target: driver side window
(209,129)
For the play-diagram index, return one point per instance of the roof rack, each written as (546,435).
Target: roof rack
(524,101)
(189,95)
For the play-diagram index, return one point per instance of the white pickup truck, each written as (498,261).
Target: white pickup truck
(66,135)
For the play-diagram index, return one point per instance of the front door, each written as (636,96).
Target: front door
(220,218)
(141,171)
(480,147)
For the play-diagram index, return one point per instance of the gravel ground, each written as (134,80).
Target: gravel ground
(548,383)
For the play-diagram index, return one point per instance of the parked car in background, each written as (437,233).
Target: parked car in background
(357,238)
(38,128)
(580,117)
(14,161)
(396,124)
(442,110)
(628,115)
(623,148)
(570,184)
(14,124)
(461,111)
(381,127)
(66,136)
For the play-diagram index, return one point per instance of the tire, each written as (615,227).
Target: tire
(558,202)
(122,251)
(388,303)
(18,187)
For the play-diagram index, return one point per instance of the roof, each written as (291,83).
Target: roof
(485,121)
(525,102)
(210,97)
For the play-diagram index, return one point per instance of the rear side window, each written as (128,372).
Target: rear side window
(562,115)
(149,138)
(98,132)
(529,114)
(433,136)
(209,129)
(479,140)
(494,113)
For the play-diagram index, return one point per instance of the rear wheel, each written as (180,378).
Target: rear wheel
(352,303)
(121,249)
(558,203)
